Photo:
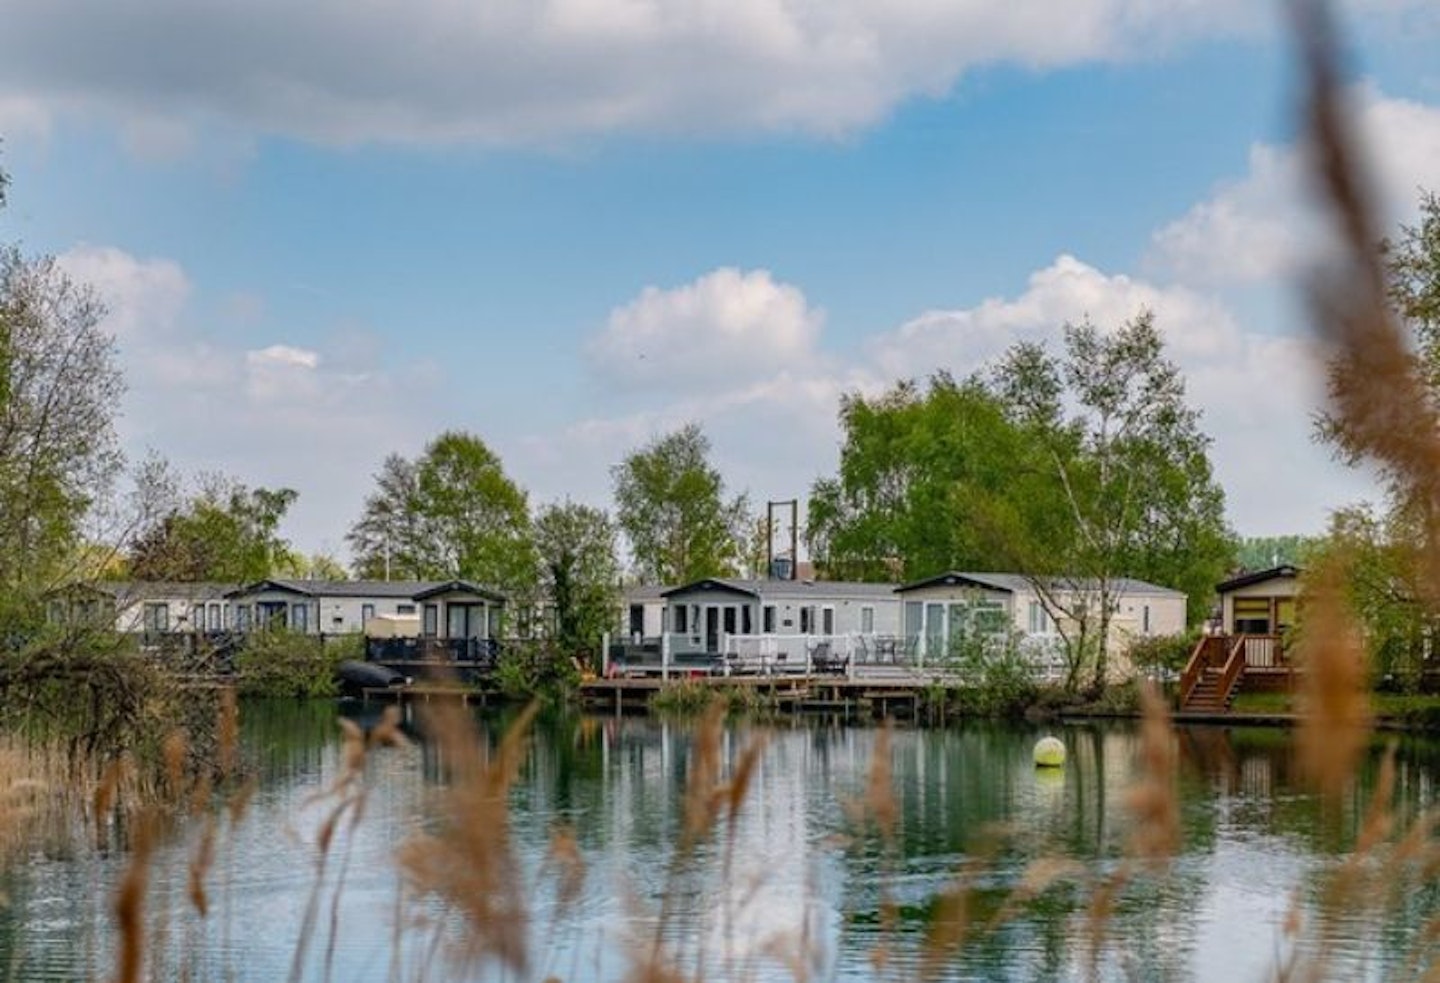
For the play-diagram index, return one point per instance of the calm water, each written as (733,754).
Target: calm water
(1253,841)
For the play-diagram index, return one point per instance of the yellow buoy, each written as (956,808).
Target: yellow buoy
(1049,753)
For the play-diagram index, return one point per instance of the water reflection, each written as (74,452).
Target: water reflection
(795,882)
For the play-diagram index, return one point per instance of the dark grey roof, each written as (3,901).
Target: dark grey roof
(1285,571)
(792,588)
(641,593)
(1014,582)
(404,589)
(131,591)
(459,586)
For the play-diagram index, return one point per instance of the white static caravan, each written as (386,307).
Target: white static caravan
(149,607)
(707,611)
(321,607)
(460,609)
(642,612)
(939,608)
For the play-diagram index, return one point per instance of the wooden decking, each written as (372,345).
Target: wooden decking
(1221,665)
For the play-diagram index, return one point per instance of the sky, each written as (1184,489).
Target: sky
(327,232)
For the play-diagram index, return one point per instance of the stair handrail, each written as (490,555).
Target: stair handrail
(1196,664)
(1234,666)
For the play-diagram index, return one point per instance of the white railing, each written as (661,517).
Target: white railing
(1262,651)
(776,655)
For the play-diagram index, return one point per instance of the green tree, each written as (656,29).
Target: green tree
(59,393)
(388,538)
(914,466)
(1124,459)
(1387,551)
(1386,583)
(580,572)
(670,502)
(226,531)
(1264,552)
(452,513)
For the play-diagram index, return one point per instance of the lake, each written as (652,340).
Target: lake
(796,889)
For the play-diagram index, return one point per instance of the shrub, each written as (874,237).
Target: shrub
(1000,680)
(535,669)
(286,663)
(1161,656)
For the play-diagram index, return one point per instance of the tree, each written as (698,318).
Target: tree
(387,540)
(1125,488)
(1264,552)
(914,464)
(671,505)
(1388,553)
(226,532)
(452,513)
(579,573)
(59,392)
(1385,580)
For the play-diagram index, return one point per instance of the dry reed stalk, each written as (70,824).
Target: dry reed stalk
(200,864)
(1152,801)
(130,903)
(1334,699)
(470,863)
(346,798)
(703,793)
(227,732)
(1380,397)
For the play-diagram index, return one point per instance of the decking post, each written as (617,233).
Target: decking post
(665,657)
(605,655)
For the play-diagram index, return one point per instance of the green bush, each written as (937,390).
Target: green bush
(998,680)
(1162,655)
(536,669)
(286,663)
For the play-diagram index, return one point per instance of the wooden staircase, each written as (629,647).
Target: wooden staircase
(1212,675)
(1208,695)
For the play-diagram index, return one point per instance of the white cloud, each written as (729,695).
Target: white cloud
(144,296)
(1067,290)
(1262,226)
(507,71)
(724,329)
(773,434)
(317,420)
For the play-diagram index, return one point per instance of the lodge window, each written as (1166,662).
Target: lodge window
(155,617)
(431,626)
(729,620)
(637,619)
(1039,619)
(807,621)
(242,617)
(214,617)
(367,611)
(1252,616)
(827,621)
(867,620)
(767,619)
(300,617)
(747,626)
(678,615)
(404,609)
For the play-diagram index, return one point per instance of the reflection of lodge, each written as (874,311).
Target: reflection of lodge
(1256,612)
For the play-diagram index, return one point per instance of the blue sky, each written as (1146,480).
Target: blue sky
(329,233)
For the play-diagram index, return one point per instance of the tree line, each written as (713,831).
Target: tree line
(1084,463)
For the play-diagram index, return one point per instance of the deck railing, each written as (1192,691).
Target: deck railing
(1210,651)
(1264,652)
